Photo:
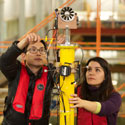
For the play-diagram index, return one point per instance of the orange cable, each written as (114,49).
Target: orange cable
(68,1)
(120,87)
(4,47)
(42,25)
(102,43)
(33,29)
(88,48)
(52,14)
(71,2)
(79,42)
(122,95)
(112,48)
(6,42)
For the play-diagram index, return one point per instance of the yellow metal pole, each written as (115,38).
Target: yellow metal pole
(67,59)
(67,55)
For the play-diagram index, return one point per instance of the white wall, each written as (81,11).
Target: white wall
(30,8)
(106,5)
(11,9)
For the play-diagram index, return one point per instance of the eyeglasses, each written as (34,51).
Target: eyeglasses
(34,50)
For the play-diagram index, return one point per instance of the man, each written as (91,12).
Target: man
(30,84)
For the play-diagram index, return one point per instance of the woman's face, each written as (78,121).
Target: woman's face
(95,74)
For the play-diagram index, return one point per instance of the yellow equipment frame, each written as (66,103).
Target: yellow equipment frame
(67,57)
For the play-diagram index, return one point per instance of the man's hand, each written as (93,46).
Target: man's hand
(61,39)
(29,39)
(32,38)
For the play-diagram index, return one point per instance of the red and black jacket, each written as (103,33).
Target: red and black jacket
(20,98)
(85,117)
(21,104)
(11,68)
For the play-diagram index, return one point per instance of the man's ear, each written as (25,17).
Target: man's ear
(23,57)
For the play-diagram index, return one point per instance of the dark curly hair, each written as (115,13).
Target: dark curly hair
(106,88)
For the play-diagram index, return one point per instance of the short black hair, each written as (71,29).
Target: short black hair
(42,41)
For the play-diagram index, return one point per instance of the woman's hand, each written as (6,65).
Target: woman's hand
(77,101)
(90,106)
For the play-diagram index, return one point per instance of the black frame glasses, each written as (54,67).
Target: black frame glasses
(34,50)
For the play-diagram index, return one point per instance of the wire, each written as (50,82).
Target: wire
(61,95)
(51,41)
(49,31)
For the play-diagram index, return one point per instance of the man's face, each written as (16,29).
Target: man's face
(36,55)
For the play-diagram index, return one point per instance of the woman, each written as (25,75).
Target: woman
(97,101)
